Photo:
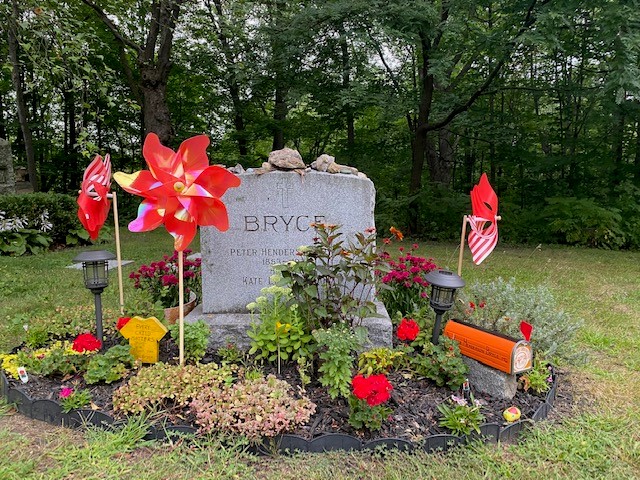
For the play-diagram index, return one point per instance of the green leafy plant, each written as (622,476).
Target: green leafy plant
(378,360)
(196,339)
(254,408)
(459,416)
(231,355)
(72,398)
(337,346)
(362,415)
(165,386)
(366,409)
(59,358)
(334,279)
(110,366)
(441,363)
(538,379)
(279,334)
(36,336)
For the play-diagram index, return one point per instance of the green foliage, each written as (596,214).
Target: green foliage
(77,399)
(337,345)
(378,360)
(36,336)
(334,279)
(441,363)
(506,305)
(580,221)
(24,241)
(231,355)
(256,408)
(53,213)
(163,386)
(461,419)
(196,339)
(280,331)
(110,366)
(56,359)
(362,415)
(538,379)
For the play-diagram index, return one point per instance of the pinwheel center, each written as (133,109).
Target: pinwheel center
(178,186)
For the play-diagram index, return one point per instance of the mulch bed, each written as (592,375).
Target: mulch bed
(414,402)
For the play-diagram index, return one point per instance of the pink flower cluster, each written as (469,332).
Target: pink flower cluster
(160,279)
(409,270)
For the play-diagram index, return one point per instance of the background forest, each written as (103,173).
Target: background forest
(422,95)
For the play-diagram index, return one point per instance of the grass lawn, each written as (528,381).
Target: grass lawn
(597,438)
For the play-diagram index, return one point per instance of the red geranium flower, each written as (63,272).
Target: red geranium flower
(408,330)
(375,389)
(122,321)
(86,342)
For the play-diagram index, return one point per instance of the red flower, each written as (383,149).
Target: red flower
(122,321)
(472,305)
(482,304)
(86,342)
(375,389)
(408,330)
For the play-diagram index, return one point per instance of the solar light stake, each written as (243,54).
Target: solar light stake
(95,269)
(443,291)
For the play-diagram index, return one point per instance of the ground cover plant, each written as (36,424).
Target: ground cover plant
(606,422)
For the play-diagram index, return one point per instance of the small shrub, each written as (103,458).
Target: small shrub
(460,417)
(538,379)
(500,306)
(337,346)
(378,360)
(110,366)
(71,398)
(163,386)
(55,212)
(254,408)
(279,333)
(196,339)
(334,279)
(441,363)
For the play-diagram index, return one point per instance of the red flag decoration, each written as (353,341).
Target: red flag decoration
(526,328)
(484,229)
(93,204)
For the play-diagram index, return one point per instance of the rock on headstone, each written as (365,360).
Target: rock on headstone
(488,380)
(270,216)
(7,178)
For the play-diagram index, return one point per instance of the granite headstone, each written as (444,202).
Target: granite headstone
(270,216)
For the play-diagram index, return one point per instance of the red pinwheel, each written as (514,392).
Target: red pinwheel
(93,202)
(483,236)
(180,189)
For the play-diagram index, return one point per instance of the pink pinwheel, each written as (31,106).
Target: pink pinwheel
(483,236)
(93,202)
(180,189)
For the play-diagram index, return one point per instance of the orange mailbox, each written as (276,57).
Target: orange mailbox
(494,349)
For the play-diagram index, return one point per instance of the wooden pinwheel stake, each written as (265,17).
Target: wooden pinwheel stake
(182,191)
(116,225)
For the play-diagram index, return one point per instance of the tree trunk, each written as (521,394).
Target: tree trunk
(346,85)
(156,116)
(279,116)
(21,106)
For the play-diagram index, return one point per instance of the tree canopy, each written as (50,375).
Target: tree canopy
(422,95)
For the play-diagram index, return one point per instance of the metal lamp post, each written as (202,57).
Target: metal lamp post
(95,269)
(443,291)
